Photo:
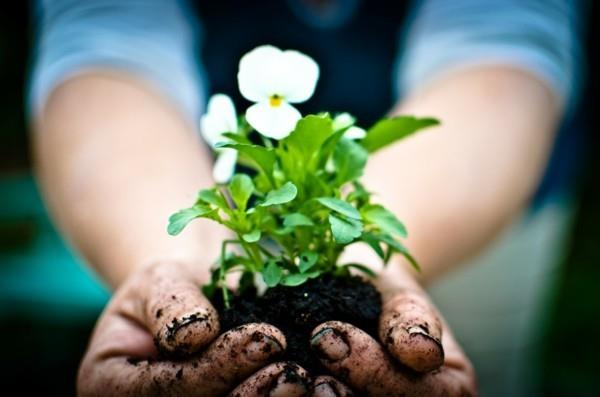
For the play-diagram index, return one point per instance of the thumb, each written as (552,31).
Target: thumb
(411,330)
(174,309)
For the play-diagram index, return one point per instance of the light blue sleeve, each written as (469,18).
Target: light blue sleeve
(156,40)
(540,36)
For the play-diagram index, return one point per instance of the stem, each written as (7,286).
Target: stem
(252,253)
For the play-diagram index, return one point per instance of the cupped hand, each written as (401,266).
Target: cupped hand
(416,354)
(159,335)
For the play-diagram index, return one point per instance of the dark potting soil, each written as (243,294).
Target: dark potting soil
(296,311)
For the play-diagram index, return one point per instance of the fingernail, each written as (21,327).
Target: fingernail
(418,330)
(261,347)
(290,383)
(330,345)
(325,390)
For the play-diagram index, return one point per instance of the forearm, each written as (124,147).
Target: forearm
(114,160)
(457,186)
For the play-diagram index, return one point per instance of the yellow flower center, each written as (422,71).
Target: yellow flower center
(275,100)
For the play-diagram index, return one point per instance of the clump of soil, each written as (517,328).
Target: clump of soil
(296,311)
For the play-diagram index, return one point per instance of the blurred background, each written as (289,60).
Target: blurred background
(49,303)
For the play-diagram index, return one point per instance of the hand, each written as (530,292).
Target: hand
(416,355)
(160,312)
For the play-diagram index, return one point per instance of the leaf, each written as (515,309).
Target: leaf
(237,138)
(180,219)
(293,280)
(296,219)
(264,158)
(384,219)
(340,206)
(362,268)
(272,274)
(387,131)
(284,194)
(373,242)
(344,230)
(308,136)
(209,290)
(349,160)
(252,237)
(241,188)
(359,194)
(307,260)
(328,147)
(397,246)
(212,196)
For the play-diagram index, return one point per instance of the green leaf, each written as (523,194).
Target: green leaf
(284,194)
(397,246)
(328,147)
(307,260)
(272,274)
(340,206)
(362,268)
(237,138)
(214,197)
(296,219)
(180,219)
(293,280)
(263,158)
(384,219)
(388,131)
(209,290)
(241,188)
(252,237)
(344,230)
(349,160)
(373,242)
(308,136)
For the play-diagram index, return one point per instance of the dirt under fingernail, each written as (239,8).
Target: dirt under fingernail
(330,345)
(261,347)
(290,383)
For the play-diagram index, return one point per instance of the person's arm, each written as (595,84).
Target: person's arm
(114,98)
(499,82)
(457,185)
(114,160)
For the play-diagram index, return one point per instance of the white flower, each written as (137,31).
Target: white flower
(346,120)
(273,79)
(220,118)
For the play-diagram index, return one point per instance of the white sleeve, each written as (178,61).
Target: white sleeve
(156,40)
(541,37)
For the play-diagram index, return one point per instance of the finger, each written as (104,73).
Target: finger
(179,317)
(108,370)
(411,331)
(327,386)
(277,380)
(357,359)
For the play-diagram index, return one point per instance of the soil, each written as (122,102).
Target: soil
(296,311)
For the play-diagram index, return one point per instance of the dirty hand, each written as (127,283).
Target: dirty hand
(416,354)
(160,336)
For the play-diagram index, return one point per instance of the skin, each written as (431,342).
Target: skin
(115,159)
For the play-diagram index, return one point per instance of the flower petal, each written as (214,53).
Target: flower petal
(257,71)
(343,120)
(220,118)
(221,106)
(273,122)
(355,132)
(297,76)
(267,71)
(225,165)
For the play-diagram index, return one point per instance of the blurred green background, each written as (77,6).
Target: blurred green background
(48,303)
